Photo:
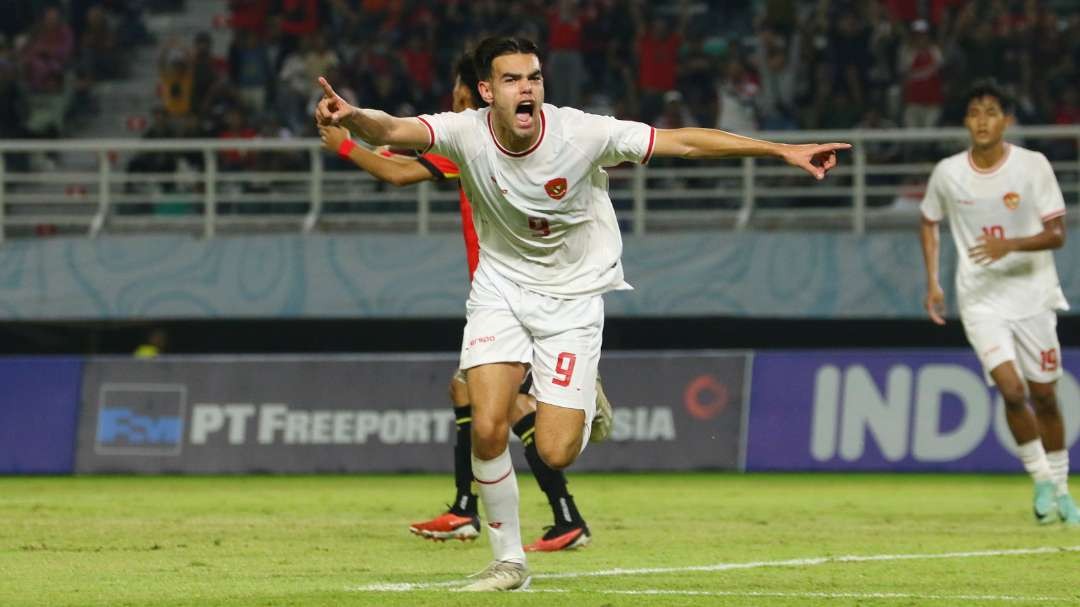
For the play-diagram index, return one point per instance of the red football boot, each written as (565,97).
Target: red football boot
(448,526)
(561,537)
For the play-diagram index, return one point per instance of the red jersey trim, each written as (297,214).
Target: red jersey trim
(468,232)
(1053,215)
(539,140)
(652,143)
(431,135)
(990,171)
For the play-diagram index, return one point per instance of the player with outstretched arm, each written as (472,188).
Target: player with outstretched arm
(549,249)
(462,518)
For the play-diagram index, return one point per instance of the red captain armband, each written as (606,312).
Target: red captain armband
(346,147)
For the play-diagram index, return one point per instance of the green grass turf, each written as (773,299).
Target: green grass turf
(313,540)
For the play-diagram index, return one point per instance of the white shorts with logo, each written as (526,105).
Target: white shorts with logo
(1032,343)
(559,338)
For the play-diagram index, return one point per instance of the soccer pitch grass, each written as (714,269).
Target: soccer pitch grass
(705,539)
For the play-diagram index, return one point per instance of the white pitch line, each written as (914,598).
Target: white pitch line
(803,562)
(806,562)
(822,595)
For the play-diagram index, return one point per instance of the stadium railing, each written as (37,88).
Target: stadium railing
(255,185)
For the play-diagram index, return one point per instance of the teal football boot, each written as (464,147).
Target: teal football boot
(1067,511)
(1044,502)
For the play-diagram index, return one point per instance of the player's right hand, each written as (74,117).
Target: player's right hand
(332,109)
(935,304)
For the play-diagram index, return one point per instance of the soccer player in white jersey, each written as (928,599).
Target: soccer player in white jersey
(461,520)
(1006,214)
(549,248)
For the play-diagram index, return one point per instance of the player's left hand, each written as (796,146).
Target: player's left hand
(816,159)
(989,249)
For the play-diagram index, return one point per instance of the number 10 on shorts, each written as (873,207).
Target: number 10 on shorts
(564,369)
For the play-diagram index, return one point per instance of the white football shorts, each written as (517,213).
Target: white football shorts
(1032,343)
(559,338)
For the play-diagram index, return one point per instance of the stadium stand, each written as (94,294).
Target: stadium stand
(243,70)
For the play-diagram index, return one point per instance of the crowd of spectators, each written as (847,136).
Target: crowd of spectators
(53,53)
(743,66)
(740,66)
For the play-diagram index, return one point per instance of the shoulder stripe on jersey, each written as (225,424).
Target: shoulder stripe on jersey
(652,143)
(543,129)
(1053,215)
(431,134)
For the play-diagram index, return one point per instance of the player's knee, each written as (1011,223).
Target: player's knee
(489,437)
(557,455)
(1044,403)
(556,459)
(1014,396)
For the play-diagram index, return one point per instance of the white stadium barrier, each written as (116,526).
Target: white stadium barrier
(101,196)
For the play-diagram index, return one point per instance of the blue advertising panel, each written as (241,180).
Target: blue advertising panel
(874,410)
(379,413)
(38,408)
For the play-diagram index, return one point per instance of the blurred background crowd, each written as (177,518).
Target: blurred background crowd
(738,65)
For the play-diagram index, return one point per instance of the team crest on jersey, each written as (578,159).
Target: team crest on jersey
(1012,200)
(556,188)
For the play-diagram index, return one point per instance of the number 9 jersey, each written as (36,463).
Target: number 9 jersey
(1009,200)
(543,215)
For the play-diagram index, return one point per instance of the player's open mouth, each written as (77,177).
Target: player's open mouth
(524,114)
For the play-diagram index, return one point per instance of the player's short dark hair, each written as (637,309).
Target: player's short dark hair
(466,72)
(497,46)
(990,88)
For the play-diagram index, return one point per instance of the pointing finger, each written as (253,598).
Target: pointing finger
(328,91)
(831,147)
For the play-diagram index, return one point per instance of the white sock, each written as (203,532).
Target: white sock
(1034,458)
(499,495)
(1059,469)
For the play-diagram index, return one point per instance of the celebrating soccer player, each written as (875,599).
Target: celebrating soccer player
(462,521)
(1006,212)
(549,249)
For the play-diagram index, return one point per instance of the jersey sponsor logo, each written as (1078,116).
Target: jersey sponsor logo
(556,188)
(1011,200)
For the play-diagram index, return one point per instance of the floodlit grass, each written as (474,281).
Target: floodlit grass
(319,540)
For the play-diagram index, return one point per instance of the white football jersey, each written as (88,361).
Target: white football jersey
(1009,200)
(543,216)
